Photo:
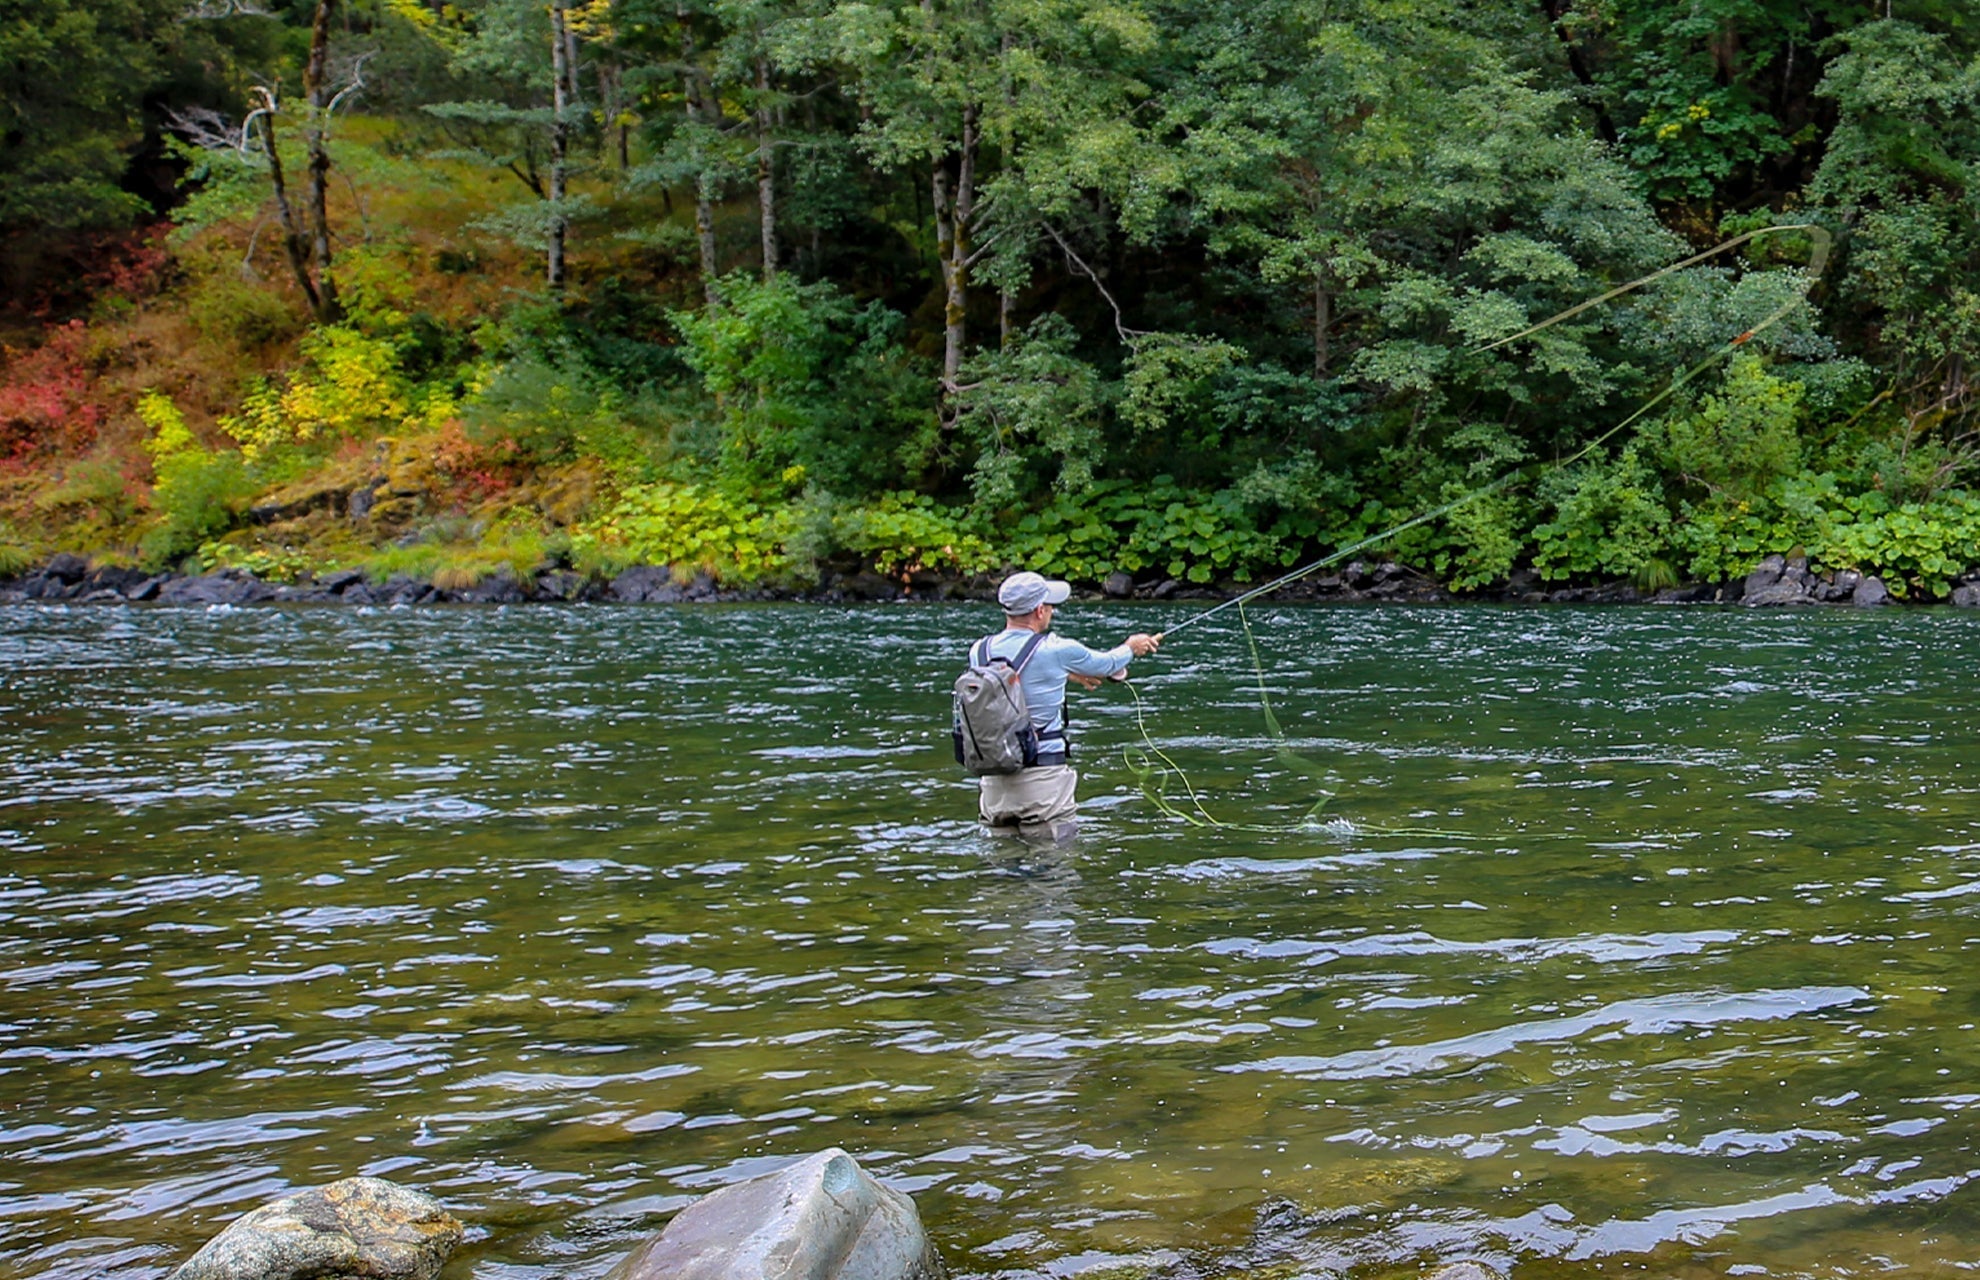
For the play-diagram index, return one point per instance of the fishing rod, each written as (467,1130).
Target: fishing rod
(1818,260)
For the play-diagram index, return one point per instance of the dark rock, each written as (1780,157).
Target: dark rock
(498,588)
(65,568)
(401,589)
(823,1218)
(148,589)
(357,1227)
(647,584)
(562,584)
(117,578)
(362,500)
(1166,588)
(1690,593)
(867,585)
(1967,595)
(1119,584)
(45,586)
(341,580)
(303,593)
(1784,592)
(100,595)
(1870,593)
(1766,574)
(1840,586)
(225,587)
(1617,593)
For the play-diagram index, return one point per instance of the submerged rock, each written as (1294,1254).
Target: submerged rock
(359,1227)
(823,1218)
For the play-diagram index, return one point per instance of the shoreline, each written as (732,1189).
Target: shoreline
(68,578)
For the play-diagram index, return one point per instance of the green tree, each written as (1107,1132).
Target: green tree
(75,74)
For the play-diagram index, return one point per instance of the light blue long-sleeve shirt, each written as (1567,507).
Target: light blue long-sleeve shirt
(1044,677)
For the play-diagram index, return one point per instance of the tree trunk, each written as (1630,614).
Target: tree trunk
(1323,319)
(294,243)
(704,182)
(560,138)
(953,210)
(316,139)
(766,169)
(1557,12)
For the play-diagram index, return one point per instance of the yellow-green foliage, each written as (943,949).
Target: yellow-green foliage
(15,558)
(684,525)
(195,490)
(907,531)
(350,386)
(270,565)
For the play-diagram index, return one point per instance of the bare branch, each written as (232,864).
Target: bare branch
(1127,335)
(356,84)
(211,10)
(989,242)
(206,128)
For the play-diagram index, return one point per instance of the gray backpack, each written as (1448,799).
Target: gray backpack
(992,725)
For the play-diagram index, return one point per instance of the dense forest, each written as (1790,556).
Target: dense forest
(762,288)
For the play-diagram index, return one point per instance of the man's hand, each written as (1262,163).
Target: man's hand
(1084,682)
(1144,644)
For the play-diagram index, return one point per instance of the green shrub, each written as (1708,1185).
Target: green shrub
(684,525)
(801,376)
(905,531)
(1919,546)
(1609,518)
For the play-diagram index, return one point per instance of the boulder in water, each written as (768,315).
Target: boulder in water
(823,1218)
(357,1227)
(1870,593)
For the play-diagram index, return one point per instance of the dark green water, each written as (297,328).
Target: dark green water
(568,916)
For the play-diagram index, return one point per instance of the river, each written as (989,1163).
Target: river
(1633,937)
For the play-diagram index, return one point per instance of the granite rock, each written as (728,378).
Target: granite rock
(823,1218)
(359,1227)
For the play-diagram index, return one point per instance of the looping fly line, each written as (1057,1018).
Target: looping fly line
(1140,761)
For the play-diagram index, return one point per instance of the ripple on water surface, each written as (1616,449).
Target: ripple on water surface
(1632,936)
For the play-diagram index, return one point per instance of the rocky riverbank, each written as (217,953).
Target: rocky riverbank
(1776,581)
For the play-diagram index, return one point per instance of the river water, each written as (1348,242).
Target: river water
(1633,937)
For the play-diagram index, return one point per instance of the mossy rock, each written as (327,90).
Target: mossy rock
(1385,1183)
(397,512)
(409,468)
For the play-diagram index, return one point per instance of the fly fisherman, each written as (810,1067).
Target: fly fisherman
(1035,799)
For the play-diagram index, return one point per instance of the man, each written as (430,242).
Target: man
(1036,801)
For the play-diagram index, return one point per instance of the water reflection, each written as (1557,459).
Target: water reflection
(569,915)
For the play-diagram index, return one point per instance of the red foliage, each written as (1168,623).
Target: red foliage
(131,267)
(46,402)
(479,470)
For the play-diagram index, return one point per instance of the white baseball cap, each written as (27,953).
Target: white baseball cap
(1023,592)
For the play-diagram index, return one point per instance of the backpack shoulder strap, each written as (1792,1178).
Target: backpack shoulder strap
(1024,654)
